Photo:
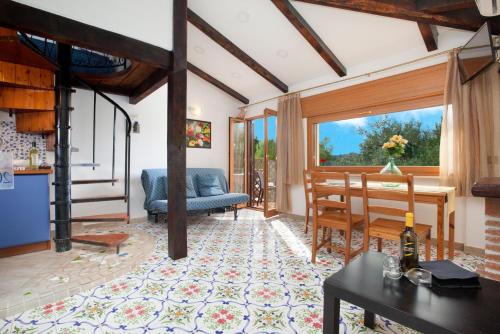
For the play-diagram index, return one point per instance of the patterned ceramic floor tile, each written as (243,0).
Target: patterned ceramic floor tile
(248,276)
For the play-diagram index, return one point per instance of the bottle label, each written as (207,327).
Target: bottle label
(408,249)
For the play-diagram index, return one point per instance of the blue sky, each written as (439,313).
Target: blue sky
(345,138)
(259,128)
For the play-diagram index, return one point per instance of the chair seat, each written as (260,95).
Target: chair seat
(338,219)
(392,229)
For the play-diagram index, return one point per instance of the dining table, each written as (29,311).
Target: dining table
(441,196)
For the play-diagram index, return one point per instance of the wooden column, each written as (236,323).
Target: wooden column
(63,150)
(176,137)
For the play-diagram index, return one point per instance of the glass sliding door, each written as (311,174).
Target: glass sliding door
(270,129)
(237,155)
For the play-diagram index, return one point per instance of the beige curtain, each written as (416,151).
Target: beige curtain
(290,149)
(470,140)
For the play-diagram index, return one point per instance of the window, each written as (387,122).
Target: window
(358,141)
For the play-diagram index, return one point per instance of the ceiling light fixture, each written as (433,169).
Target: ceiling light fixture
(199,50)
(282,53)
(243,17)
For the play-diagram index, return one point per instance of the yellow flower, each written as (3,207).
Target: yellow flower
(391,144)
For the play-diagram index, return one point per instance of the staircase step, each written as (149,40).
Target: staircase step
(94,181)
(108,240)
(97,199)
(110,217)
(85,164)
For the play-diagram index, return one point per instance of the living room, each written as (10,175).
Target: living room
(208,166)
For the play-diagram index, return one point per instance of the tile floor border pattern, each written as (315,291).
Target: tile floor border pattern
(251,276)
(31,280)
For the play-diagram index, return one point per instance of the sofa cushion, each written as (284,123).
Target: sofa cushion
(204,203)
(190,191)
(209,185)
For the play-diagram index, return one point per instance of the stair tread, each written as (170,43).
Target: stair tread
(108,216)
(94,181)
(101,239)
(97,199)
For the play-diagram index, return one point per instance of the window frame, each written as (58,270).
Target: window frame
(312,144)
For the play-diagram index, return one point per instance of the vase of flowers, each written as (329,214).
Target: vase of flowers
(394,148)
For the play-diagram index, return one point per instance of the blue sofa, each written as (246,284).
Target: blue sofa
(154,182)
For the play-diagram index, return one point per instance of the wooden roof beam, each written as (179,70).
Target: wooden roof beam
(393,9)
(310,35)
(220,39)
(207,77)
(429,35)
(157,79)
(61,29)
(440,6)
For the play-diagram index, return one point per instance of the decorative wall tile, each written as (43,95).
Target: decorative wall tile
(19,143)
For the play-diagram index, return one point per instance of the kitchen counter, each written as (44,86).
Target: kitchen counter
(33,171)
(25,214)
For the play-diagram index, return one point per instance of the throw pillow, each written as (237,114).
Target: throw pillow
(209,185)
(190,191)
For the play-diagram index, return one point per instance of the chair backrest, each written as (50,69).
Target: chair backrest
(388,193)
(307,187)
(322,189)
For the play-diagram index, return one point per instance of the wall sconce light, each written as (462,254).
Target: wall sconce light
(136,127)
(194,111)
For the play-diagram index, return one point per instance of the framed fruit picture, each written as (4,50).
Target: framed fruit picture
(198,134)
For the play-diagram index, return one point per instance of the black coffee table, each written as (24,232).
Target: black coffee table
(434,310)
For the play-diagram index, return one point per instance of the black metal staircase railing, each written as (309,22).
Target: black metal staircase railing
(82,60)
(128,129)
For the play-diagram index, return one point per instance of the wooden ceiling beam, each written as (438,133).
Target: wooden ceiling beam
(225,88)
(157,79)
(220,39)
(429,35)
(440,6)
(393,9)
(310,35)
(61,29)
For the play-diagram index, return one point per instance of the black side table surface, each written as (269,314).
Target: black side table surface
(429,310)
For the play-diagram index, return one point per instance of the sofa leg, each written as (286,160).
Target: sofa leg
(235,212)
(209,213)
(156,218)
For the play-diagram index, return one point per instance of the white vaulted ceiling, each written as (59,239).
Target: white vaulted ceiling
(360,41)
(355,38)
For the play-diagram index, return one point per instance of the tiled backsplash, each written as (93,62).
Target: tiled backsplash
(19,143)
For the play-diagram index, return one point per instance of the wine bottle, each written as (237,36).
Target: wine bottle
(409,245)
(34,157)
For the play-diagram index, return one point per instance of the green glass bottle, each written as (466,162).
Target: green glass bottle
(34,157)
(409,245)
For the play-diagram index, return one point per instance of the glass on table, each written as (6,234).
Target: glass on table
(391,267)
(419,276)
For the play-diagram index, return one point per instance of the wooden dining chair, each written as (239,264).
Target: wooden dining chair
(308,195)
(390,228)
(339,217)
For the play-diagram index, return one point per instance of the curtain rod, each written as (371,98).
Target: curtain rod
(354,77)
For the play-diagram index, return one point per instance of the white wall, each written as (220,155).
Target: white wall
(148,148)
(469,217)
